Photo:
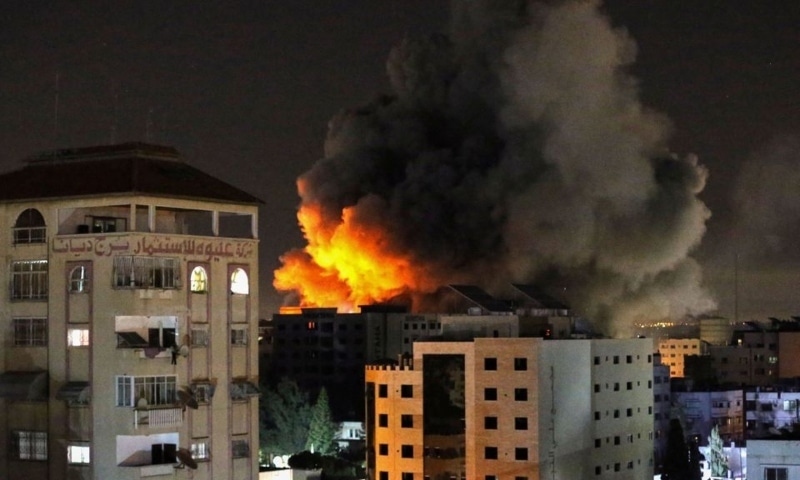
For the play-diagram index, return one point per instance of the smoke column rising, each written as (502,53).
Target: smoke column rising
(515,149)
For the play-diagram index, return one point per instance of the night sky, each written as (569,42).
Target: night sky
(244,90)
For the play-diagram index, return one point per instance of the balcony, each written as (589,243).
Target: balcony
(157,416)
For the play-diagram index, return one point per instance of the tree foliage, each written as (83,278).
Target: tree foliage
(717,460)
(285,417)
(322,428)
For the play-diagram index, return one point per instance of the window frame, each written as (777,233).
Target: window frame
(138,271)
(35,449)
(81,450)
(30,332)
(157,390)
(198,279)
(29,280)
(81,339)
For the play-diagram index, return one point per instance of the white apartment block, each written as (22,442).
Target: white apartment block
(128,319)
(513,409)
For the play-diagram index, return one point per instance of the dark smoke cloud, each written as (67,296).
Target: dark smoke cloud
(516,149)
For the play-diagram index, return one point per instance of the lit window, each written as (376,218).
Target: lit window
(239,282)
(29,280)
(77,453)
(30,332)
(78,337)
(200,451)
(146,272)
(150,390)
(199,280)
(78,280)
(28,445)
(30,227)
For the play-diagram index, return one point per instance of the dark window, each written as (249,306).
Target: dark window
(383,390)
(406,476)
(596,388)
(597,360)
(30,227)
(520,364)
(616,440)
(490,423)
(629,359)
(598,470)
(629,412)
(383,420)
(616,413)
(490,363)
(520,453)
(629,385)
(406,421)
(407,451)
(383,476)
(383,449)
(597,415)
(490,453)
(520,394)
(520,423)
(598,443)
(407,391)
(616,359)
(490,394)
(616,386)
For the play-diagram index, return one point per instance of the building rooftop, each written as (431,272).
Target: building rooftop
(129,168)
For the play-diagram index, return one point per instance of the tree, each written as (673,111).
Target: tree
(717,460)
(284,422)
(322,428)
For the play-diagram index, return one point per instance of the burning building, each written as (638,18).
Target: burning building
(512,149)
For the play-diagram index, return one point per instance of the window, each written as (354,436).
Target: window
(596,388)
(616,413)
(490,423)
(598,443)
(203,391)
(146,272)
(520,364)
(240,448)
(151,390)
(616,359)
(106,224)
(616,386)
(77,337)
(775,473)
(406,421)
(490,453)
(238,337)
(239,284)
(520,394)
(77,453)
(616,440)
(520,453)
(490,394)
(598,470)
(198,280)
(30,227)
(201,451)
(406,476)
(407,391)
(628,359)
(199,337)
(383,390)
(79,280)
(383,449)
(383,475)
(629,385)
(30,332)
(597,415)
(383,420)
(29,280)
(629,412)
(490,364)
(28,445)
(597,360)
(407,451)
(520,423)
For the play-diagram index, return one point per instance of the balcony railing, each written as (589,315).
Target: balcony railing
(157,416)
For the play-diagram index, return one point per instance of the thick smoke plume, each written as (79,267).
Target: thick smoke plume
(514,149)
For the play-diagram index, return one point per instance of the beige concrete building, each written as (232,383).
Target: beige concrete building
(674,350)
(128,319)
(513,409)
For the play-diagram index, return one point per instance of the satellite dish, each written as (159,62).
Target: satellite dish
(185,457)
(184,351)
(186,398)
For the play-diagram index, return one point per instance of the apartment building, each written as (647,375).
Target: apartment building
(128,319)
(674,351)
(513,409)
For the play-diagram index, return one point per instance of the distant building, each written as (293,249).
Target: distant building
(699,412)
(520,408)
(773,459)
(127,321)
(674,351)
(662,408)
(769,413)
(715,331)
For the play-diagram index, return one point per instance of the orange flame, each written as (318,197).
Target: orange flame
(346,263)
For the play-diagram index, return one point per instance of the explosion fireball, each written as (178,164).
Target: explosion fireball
(514,149)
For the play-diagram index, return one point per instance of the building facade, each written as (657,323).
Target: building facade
(129,319)
(674,350)
(513,409)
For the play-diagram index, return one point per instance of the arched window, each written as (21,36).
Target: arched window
(198,280)
(30,227)
(239,282)
(78,280)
